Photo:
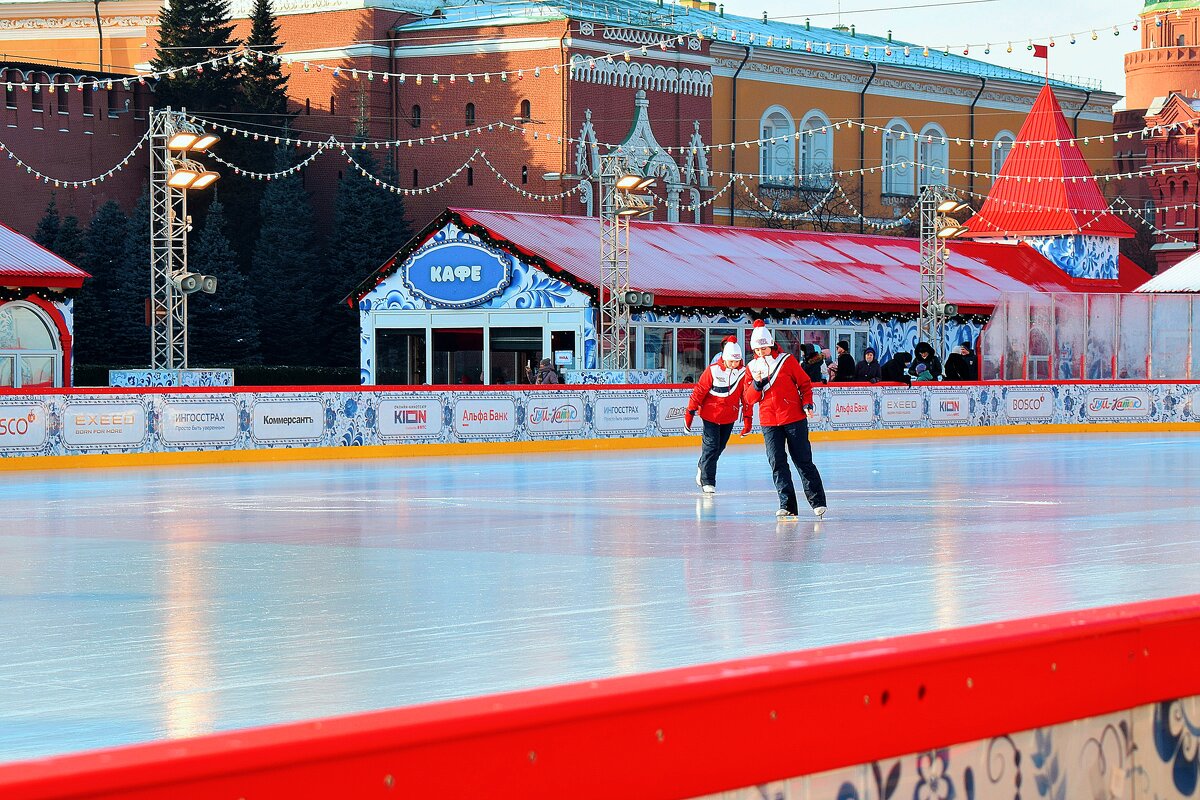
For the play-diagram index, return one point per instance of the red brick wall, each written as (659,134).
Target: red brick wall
(73,146)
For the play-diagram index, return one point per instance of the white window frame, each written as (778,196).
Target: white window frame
(1002,146)
(897,150)
(777,162)
(934,156)
(816,150)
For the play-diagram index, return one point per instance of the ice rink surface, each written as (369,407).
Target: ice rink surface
(142,604)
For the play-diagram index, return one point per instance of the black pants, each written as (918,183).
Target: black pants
(794,438)
(712,444)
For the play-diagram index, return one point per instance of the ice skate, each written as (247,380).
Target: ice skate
(819,511)
(699,481)
(708,489)
(784,514)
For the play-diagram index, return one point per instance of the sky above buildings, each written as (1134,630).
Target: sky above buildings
(981,22)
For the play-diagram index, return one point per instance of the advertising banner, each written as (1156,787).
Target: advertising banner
(486,416)
(288,421)
(1116,404)
(671,410)
(549,413)
(950,408)
(103,425)
(23,426)
(403,419)
(623,414)
(1024,405)
(199,422)
(851,409)
(901,407)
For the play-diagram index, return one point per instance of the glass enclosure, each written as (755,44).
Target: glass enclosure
(1092,337)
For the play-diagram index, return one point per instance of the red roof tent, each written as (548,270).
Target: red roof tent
(25,263)
(712,266)
(1045,189)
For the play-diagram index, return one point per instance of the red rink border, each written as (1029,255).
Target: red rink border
(679,733)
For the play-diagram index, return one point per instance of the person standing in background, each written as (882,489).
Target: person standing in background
(846,368)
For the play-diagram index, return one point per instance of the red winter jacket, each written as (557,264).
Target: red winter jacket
(719,395)
(784,392)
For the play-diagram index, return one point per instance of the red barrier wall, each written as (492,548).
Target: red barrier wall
(681,733)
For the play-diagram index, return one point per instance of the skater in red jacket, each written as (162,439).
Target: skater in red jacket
(718,397)
(784,393)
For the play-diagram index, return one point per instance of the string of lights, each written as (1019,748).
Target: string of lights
(75,184)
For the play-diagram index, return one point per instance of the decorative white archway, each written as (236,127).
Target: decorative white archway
(30,351)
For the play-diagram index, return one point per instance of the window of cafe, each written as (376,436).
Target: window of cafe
(400,356)
(458,356)
(685,352)
(29,349)
(515,354)
(690,360)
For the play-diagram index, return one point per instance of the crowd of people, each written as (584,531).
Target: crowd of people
(923,364)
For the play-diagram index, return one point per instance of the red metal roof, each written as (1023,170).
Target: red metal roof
(24,262)
(722,267)
(1045,189)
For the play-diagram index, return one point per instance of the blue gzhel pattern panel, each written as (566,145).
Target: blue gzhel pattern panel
(180,421)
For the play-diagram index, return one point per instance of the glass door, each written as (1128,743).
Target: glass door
(458,356)
(562,350)
(400,356)
(515,354)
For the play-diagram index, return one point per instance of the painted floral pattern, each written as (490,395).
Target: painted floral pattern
(1177,740)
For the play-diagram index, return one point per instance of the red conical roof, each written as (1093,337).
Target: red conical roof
(1045,189)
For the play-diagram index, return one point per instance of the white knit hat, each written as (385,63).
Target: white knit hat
(732,350)
(761,337)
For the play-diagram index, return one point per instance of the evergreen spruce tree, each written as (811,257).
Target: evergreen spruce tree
(103,258)
(48,226)
(264,86)
(222,328)
(286,271)
(192,32)
(129,341)
(368,227)
(69,243)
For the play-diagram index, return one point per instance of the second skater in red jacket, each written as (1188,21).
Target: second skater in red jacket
(718,398)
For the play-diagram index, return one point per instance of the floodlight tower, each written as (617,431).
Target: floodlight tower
(172,174)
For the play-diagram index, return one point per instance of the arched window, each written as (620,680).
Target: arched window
(524,174)
(1001,146)
(10,91)
(36,97)
(933,153)
(777,151)
(30,353)
(1182,40)
(470,113)
(526,111)
(416,181)
(332,105)
(62,94)
(816,150)
(898,154)
(470,176)
(415,118)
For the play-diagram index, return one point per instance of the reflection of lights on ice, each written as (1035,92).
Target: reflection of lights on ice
(187,670)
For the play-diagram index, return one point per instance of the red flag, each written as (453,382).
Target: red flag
(1040,51)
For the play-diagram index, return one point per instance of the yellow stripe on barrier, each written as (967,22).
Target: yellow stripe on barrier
(105,460)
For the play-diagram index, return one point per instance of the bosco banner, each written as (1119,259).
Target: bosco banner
(23,426)
(1023,405)
(672,409)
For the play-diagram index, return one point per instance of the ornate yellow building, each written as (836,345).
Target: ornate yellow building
(788,105)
